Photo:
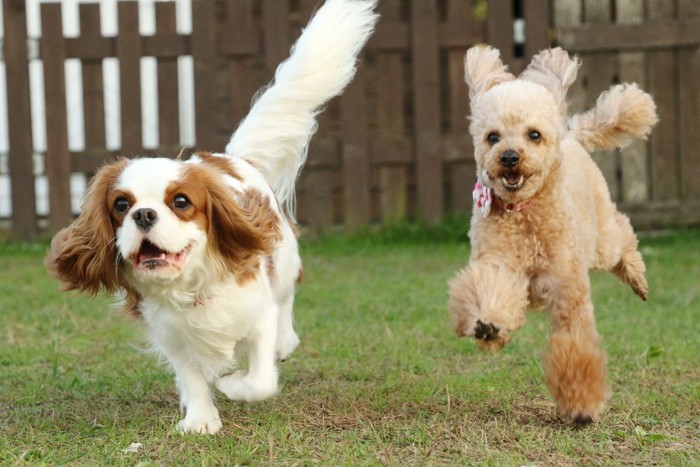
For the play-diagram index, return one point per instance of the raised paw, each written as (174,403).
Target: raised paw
(242,387)
(486,331)
(489,337)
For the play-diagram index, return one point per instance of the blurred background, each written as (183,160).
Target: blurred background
(83,82)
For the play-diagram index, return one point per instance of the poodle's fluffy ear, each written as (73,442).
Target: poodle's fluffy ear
(83,255)
(483,69)
(556,71)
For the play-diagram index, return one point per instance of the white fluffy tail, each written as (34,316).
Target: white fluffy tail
(622,113)
(275,134)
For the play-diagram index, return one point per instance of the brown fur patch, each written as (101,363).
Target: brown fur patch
(83,255)
(271,268)
(221,164)
(131,301)
(240,226)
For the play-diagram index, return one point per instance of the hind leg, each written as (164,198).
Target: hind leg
(630,269)
(488,303)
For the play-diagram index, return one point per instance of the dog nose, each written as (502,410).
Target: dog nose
(145,218)
(510,159)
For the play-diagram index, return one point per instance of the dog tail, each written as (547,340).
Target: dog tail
(622,113)
(274,136)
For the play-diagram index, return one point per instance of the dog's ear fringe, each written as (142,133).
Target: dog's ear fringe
(483,69)
(82,256)
(242,227)
(555,70)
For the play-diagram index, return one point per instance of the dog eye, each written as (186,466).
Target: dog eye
(493,138)
(121,205)
(535,136)
(181,202)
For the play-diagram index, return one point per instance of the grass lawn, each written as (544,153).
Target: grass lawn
(379,377)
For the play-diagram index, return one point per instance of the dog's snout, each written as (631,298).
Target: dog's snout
(510,159)
(145,218)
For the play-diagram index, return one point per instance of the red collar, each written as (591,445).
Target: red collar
(517,207)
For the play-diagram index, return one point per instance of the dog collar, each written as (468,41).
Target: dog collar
(483,199)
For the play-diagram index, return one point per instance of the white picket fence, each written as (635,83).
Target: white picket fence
(76,140)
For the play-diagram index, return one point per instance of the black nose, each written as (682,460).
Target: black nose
(145,218)
(510,159)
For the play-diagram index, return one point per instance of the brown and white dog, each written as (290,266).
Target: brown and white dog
(204,250)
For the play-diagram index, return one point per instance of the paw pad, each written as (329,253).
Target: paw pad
(486,331)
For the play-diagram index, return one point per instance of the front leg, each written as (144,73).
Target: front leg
(260,381)
(488,302)
(575,367)
(201,416)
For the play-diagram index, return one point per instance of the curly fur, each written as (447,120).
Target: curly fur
(539,255)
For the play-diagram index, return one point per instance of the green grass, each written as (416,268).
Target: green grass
(379,377)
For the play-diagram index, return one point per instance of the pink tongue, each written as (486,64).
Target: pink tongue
(513,179)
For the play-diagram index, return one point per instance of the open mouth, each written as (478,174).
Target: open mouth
(513,180)
(153,257)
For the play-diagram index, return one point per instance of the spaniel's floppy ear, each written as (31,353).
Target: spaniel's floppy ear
(242,226)
(483,69)
(556,71)
(83,255)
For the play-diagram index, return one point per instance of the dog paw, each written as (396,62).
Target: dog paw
(577,417)
(486,331)
(489,336)
(287,345)
(202,426)
(241,387)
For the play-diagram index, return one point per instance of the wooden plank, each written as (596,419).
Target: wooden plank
(128,46)
(662,33)
(57,159)
(499,31)
(391,148)
(240,35)
(634,158)
(24,218)
(458,144)
(243,79)
(93,84)
(689,110)
(665,169)
(318,188)
(205,66)
(396,37)
(461,175)
(355,156)
(275,32)
(601,74)
(323,164)
(168,96)
(426,111)
(568,13)
(536,14)
(664,215)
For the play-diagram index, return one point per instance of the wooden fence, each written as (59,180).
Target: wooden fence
(395,145)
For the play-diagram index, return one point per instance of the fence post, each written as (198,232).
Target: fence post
(426,82)
(57,158)
(24,218)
